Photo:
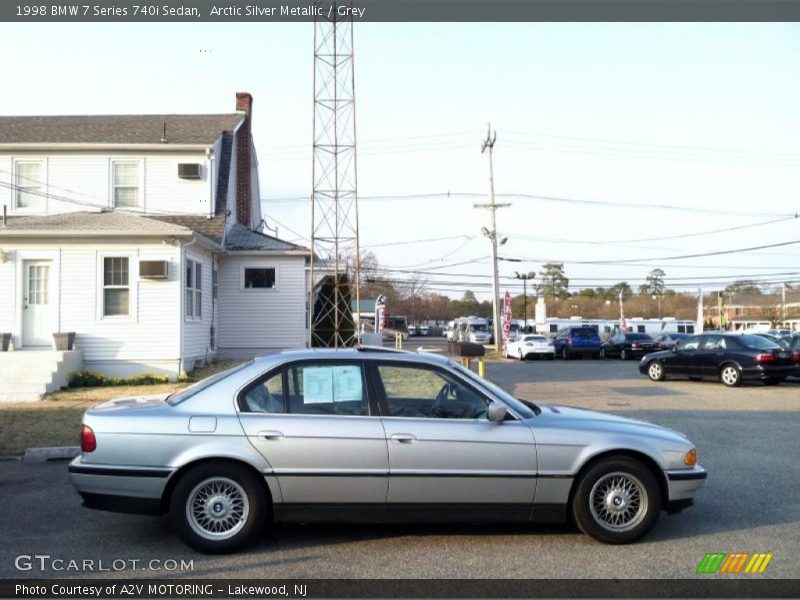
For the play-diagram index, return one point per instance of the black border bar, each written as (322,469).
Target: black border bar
(385,11)
(702,586)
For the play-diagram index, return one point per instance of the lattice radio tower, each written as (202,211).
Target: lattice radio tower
(334,213)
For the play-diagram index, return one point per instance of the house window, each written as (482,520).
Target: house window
(29,184)
(116,286)
(194,290)
(259,278)
(126,184)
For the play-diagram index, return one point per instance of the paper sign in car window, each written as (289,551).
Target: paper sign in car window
(317,385)
(347,385)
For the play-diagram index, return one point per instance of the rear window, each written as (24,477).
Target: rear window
(201,385)
(759,343)
(639,336)
(584,332)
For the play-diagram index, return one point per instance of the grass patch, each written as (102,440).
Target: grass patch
(55,421)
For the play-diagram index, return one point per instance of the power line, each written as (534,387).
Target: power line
(553,199)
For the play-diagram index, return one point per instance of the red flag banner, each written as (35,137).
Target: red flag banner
(507,317)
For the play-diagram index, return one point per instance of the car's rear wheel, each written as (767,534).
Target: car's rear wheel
(730,375)
(655,371)
(602,353)
(520,355)
(218,507)
(623,354)
(617,501)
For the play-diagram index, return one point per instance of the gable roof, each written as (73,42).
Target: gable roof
(117,129)
(90,224)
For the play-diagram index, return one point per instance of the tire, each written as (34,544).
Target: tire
(236,489)
(655,371)
(623,354)
(564,354)
(602,353)
(629,507)
(521,355)
(730,375)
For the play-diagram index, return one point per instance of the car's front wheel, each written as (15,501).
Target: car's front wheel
(617,501)
(623,354)
(655,371)
(564,354)
(218,507)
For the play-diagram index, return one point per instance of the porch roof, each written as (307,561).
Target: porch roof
(89,224)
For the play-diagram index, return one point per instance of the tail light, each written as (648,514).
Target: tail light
(765,358)
(796,356)
(635,345)
(88,441)
(569,340)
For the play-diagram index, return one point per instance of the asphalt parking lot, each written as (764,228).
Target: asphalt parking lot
(747,439)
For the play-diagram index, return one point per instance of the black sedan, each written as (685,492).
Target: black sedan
(627,345)
(731,358)
(667,341)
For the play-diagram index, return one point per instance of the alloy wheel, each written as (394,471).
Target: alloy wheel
(217,508)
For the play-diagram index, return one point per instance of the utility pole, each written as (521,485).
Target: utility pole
(783,304)
(491,137)
(525,277)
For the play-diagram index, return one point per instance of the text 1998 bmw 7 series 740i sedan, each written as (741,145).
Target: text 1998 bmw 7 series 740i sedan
(371,435)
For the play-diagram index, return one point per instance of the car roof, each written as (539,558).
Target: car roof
(359,352)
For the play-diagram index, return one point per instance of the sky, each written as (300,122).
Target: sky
(612,139)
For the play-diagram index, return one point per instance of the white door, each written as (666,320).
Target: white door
(36,329)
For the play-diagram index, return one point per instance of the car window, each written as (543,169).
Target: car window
(759,343)
(714,342)
(688,344)
(584,332)
(203,384)
(415,391)
(326,389)
(265,396)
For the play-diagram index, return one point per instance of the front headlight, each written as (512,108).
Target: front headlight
(690,459)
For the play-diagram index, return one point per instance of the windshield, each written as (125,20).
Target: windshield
(639,336)
(477,327)
(198,387)
(759,343)
(523,410)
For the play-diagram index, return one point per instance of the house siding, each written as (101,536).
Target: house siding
(254,321)
(147,341)
(197,332)
(85,179)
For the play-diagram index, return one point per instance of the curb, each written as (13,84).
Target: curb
(55,453)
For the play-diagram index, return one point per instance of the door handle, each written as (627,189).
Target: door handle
(404,438)
(273,436)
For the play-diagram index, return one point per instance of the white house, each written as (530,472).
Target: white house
(143,235)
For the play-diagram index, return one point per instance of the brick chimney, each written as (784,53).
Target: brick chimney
(244,104)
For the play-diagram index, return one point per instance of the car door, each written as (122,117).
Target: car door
(709,355)
(442,448)
(682,360)
(314,422)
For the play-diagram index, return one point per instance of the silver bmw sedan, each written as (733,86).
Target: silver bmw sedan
(371,435)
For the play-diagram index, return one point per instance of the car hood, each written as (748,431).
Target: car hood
(659,354)
(131,403)
(580,418)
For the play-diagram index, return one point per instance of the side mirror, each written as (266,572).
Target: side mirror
(496,412)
